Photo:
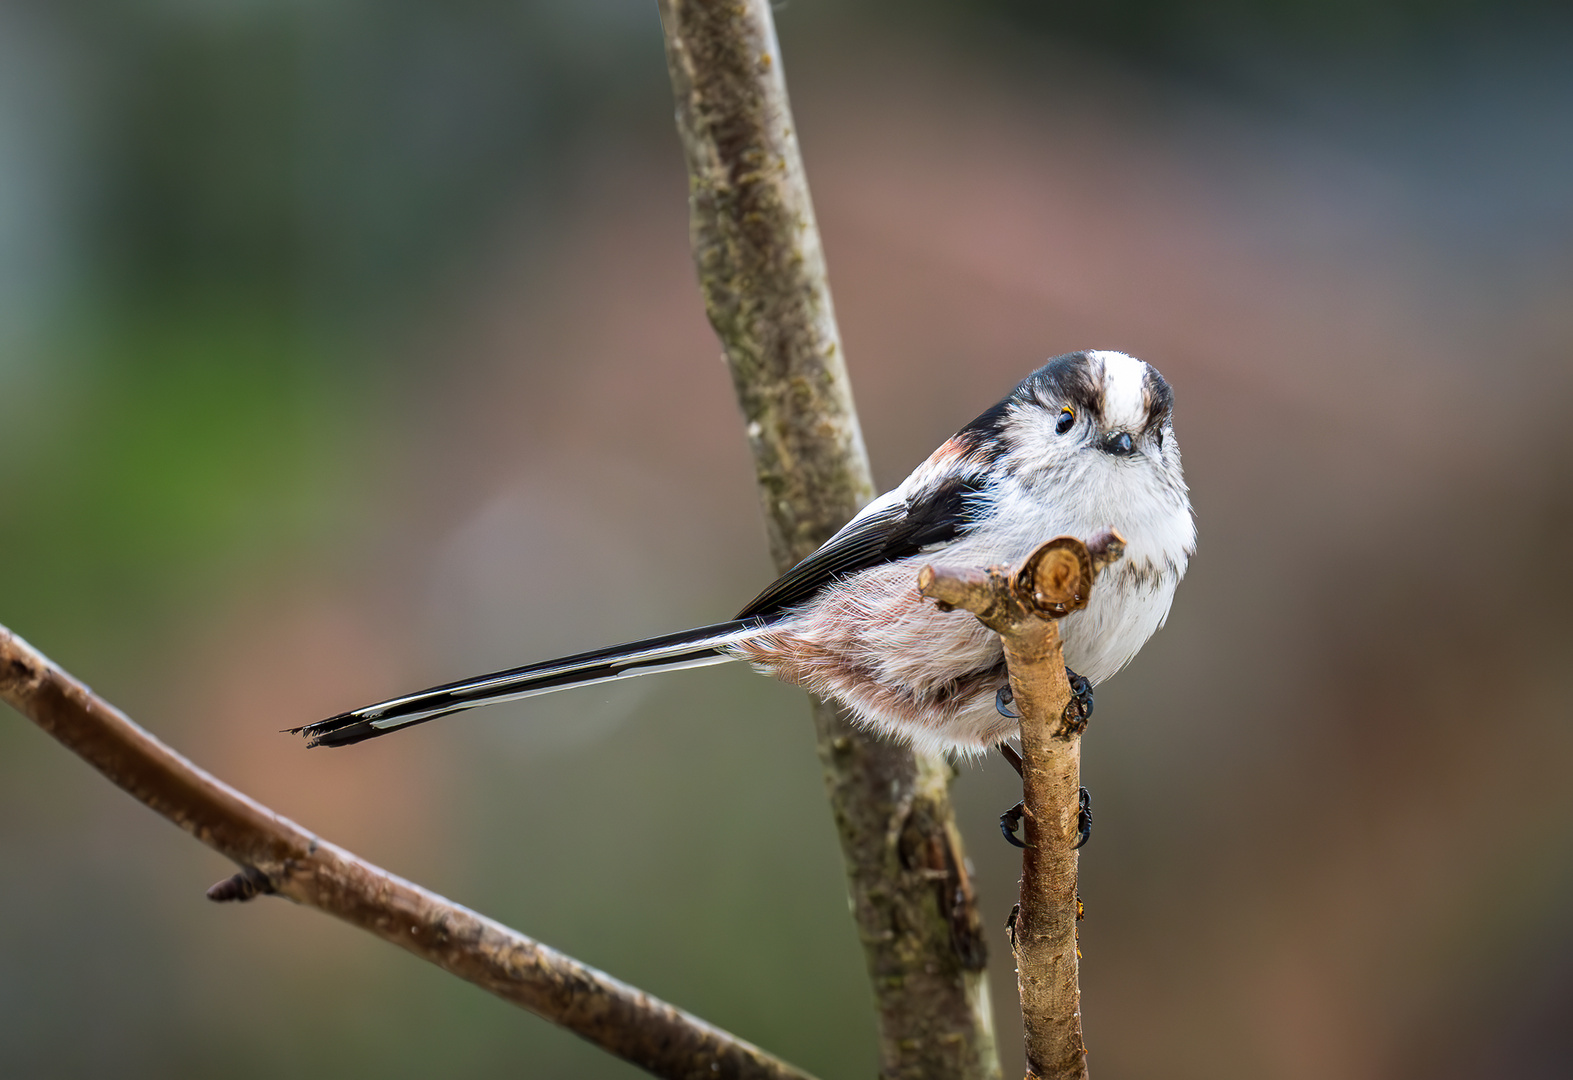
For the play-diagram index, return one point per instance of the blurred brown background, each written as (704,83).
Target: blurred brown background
(350,347)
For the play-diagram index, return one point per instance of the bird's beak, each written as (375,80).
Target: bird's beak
(1117,443)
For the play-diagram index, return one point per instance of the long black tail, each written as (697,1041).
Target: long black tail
(691,648)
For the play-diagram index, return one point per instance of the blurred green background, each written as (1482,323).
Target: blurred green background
(349,347)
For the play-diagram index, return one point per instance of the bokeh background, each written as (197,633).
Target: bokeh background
(349,347)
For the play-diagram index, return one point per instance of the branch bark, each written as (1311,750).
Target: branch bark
(1021,607)
(278,856)
(762,272)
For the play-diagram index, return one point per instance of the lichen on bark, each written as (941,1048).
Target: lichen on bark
(762,273)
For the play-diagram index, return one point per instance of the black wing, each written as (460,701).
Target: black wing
(936,516)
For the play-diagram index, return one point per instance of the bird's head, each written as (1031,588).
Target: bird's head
(1096,413)
(1092,433)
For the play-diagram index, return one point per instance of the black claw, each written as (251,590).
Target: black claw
(1083,817)
(1002,702)
(1009,821)
(1079,709)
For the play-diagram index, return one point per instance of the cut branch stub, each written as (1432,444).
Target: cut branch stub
(977,591)
(1052,582)
(1055,579)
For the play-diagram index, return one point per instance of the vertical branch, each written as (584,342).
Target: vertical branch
(1043,937)
(1021,607)
(762,273)
(762,270)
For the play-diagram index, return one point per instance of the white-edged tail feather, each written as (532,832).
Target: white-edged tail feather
(673,652)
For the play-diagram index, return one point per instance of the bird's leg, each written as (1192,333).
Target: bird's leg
(1008,752)
(1010,820)
(1077,712)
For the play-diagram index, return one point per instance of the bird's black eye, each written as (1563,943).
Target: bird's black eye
(1160,438)
(1067,420)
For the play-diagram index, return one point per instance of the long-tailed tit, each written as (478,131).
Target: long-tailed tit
(1084,443)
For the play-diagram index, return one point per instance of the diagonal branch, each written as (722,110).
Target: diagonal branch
(1021,607)
(280,857)
(762,272)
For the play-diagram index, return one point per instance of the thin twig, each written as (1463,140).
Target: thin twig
(762,272)
(277,856)
(1021,606)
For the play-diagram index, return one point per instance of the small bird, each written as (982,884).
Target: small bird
(1083,444)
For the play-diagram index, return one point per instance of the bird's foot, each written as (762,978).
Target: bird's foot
(1079,709)
(1010,821)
